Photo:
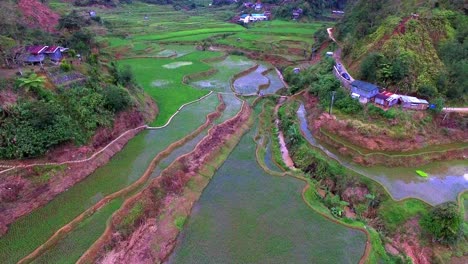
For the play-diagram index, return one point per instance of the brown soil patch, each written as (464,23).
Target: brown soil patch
(407,241)
(38,15)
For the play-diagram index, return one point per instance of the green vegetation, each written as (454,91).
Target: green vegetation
(165,84)
(444,223)
(396,214)
(128,223)
(179,222)
(423,54)
(34,126)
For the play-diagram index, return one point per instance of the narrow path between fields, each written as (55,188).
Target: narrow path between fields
(10,167)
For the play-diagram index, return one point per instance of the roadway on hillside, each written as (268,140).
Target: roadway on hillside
(337,57)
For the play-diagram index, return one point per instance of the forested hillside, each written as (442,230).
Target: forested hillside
(416,47)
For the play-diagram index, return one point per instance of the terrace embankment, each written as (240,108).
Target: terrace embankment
(146,228)
(24,189)
(384,149)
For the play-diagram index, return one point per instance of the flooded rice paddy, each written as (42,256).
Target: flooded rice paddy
(248,216)
(446,178)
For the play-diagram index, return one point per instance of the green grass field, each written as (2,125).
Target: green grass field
(165,84)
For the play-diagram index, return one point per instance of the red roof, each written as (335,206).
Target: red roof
(384,95)
(52,49)
(35,50)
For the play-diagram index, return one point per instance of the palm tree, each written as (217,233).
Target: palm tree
(32,82)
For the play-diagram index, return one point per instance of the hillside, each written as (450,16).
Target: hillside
(415,47)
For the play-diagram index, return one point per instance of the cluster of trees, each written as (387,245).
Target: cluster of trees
(42,119)
(32,126)
(320,81)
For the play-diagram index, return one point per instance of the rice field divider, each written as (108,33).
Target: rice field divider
(388,155)
(240,74)
(191,77)
(62,232)
(178,111)
(93,251)
(137,129)
(281,77)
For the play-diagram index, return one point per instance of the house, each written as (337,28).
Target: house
(259,17)
(296,13)
(258,6)
(365,90)
(337,12)
(410,102)
(386,99)
(35,54)
(245,18)
(54,53)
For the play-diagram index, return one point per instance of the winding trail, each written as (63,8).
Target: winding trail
(138,129)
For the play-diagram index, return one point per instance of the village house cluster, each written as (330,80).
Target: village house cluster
(39,53)
(367,92)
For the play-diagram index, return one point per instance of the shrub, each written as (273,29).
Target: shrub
(65,66)
(444,223)
(116,98)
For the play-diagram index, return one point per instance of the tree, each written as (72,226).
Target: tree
(439,104)
(71,22)
(6,44)
(444,223)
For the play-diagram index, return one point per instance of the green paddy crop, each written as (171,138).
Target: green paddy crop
(165,85)
(123,169)
(70,249)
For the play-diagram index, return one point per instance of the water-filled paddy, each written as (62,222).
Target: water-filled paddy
(220,81)
(250,83)
(446,179)
(123,169)
(247,216)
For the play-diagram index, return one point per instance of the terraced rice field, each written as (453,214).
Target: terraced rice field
(162,79)
(123,169)
(445,180)
(251,82)
(226,69)
(247,216)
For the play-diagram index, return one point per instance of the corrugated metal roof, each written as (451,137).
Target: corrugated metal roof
(365,86)
(413,100)
(36,49)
